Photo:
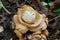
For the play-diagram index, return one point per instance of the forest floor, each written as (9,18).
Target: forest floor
(12,6)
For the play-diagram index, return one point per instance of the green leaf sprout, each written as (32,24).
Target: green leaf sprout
(1,5)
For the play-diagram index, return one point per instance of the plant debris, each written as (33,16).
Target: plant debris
(9,9)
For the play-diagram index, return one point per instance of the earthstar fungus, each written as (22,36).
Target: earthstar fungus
(28,19)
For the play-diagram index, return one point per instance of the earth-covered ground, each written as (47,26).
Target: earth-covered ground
(13,5)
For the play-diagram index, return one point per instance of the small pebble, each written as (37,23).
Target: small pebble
(1,29)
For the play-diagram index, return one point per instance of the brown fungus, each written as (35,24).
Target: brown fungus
(28,19)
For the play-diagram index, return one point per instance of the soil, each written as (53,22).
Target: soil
(6,20)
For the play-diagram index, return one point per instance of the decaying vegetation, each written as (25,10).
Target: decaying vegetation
(8,8)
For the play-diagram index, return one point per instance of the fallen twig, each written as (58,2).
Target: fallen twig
(5,8)
(54,18)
